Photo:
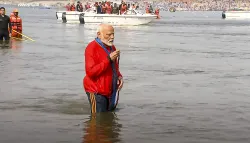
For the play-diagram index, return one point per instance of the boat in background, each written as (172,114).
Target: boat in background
(130,17)
(67,15)
(236,14)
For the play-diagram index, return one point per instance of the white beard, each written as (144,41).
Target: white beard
(108,43)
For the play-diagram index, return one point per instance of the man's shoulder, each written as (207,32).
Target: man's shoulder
(7,16)
(92,46)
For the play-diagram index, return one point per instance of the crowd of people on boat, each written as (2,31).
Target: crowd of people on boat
(180,5)
(107,7)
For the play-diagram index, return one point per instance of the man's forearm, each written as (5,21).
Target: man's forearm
(10,28)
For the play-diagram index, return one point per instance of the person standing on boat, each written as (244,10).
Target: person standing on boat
(103,8)
(78,8)
(67,7)
(98,8)
(72,7)
(81,7)
(133,7)
(123,8)
(115,9)
(108,8)
(5,26)
(16,24)
(103,79)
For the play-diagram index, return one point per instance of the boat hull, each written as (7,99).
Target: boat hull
(236,15)
(90,18)
(59,15)
(70,15)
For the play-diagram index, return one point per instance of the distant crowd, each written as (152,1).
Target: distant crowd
(183,5)
(107,7)
(203,5)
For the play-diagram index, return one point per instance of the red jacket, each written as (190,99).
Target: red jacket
(98,78)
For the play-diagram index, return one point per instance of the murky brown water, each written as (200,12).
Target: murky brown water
(186,80)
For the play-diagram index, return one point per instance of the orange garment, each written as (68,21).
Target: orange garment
(94,133)
(72,7)
(102,128)
(16,24)
(11,14)
(108,9)
(123,8)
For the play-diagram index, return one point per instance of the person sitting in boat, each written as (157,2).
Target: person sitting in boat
(16,25)
(108,8)
(115,9)
(72,7)
(67,7)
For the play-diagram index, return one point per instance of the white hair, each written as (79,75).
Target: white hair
(100,27)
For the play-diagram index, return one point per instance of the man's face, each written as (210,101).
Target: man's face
(107,35)
(16,13)
(2,11)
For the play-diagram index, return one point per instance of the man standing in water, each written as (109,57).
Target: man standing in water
(103,79)
(5,26)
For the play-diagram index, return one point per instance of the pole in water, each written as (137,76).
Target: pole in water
(18,38)
(23,35)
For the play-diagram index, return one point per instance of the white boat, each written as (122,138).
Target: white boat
(70,16)
(59,15)
(130,17)
(239,14)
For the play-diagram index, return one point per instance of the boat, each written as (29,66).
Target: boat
(130,17)
(69,15)
(236,14)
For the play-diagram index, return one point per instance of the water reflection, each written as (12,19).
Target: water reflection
(12,44)
(16,43)
(102,128)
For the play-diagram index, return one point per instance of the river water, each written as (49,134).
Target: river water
(186,80)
